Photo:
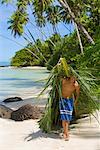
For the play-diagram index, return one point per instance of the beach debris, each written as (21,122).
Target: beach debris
(26,112)
(12,99)
(5,112)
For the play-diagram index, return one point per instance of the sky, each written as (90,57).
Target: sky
(8,47)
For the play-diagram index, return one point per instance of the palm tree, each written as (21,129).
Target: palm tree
(53,16)
(41,7)
(17,22)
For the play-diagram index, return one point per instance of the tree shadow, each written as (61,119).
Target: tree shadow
(88,135)
(40,134)
(86,132)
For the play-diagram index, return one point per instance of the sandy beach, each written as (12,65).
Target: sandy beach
(26,135)
(28,67)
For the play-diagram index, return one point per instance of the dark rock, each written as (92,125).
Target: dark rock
(12,99)
(26,112)
(5,112)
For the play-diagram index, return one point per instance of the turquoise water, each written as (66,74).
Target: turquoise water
(21,82)
(4,63)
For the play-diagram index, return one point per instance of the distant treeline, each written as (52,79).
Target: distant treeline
(48,53)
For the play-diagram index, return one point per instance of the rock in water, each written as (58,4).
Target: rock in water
(26,112)
(12,99)
(5,112)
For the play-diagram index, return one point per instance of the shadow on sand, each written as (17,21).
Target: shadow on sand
(87,134)
(40,134)
(81,134)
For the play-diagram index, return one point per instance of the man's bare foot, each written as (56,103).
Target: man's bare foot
(66,137)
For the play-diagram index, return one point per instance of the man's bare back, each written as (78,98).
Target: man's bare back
(69,85)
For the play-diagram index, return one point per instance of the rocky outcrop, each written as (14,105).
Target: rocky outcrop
(12,99)
(26,112)
(23,113)
(5,112)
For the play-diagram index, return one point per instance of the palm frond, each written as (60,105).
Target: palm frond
(87,102)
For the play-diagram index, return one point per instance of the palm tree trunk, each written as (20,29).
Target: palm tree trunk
(79,38)
(72,15)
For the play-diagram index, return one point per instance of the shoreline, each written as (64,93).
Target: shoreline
(40,102)
(26,82)
(28,67)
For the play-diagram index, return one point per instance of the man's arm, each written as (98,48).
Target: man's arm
(77,89)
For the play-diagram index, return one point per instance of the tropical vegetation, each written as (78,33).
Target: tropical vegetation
(87,102)
(80,50)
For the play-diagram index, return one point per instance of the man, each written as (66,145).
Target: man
(66,103)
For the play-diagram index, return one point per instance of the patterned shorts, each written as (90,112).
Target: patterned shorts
(66,108)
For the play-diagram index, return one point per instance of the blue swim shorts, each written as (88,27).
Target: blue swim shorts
(66,108)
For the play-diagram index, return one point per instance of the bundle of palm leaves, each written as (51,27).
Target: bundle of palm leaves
(86,104)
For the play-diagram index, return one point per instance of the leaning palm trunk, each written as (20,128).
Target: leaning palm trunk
(79,38)
(51,120)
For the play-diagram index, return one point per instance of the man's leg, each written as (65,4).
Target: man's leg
(66,131)
(65,127)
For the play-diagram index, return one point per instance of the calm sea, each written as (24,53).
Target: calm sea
(4,63)
(21,82)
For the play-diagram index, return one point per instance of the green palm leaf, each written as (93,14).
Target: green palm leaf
(87,101)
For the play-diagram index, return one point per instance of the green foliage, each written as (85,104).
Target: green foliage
(88,100)
(86,103)
(22,58)
(43,51)
(53,16)
(17,21)
(90,59)
(39,8)
(86,12)
(67,47)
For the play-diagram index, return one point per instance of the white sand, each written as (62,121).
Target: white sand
(26,135)
(28,67)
